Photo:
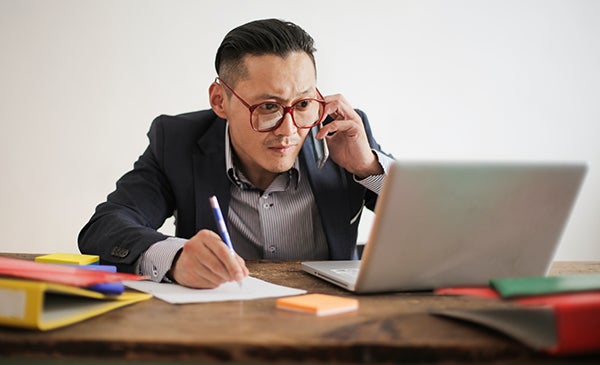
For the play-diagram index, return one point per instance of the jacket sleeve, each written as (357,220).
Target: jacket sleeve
(370,197)
(125,226)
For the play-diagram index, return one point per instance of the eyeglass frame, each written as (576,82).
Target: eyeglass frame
(286,109)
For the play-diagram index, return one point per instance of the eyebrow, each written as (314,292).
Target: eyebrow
(301,95)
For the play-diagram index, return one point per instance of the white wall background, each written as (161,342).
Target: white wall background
(81,80)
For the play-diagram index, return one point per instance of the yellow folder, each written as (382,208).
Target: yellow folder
(68,258)
(44,306)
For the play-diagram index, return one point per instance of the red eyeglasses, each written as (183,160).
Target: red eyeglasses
(268,116)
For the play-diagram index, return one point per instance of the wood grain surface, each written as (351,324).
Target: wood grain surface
(388,328)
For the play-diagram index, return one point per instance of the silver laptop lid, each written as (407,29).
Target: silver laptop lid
(445,224)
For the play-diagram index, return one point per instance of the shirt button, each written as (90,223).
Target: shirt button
(272,249)
(266,196)
(266,206)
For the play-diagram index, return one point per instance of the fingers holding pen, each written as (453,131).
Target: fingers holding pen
(227,265)
(205,262)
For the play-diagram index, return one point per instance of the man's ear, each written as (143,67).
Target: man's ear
(217,99)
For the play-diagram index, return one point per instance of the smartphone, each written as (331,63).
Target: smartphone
(321,151)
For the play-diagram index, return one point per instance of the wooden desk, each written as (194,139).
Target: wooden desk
(391,328)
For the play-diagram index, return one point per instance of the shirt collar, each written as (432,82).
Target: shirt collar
(237,177)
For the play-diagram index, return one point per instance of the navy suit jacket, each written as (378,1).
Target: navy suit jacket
(183,165)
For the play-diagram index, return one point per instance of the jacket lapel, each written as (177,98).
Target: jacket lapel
(209,174)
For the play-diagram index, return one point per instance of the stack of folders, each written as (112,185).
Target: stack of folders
(44,296)
(555,314)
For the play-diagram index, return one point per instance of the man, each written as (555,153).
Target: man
(252,152)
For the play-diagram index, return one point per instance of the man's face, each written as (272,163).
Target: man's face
(270,78)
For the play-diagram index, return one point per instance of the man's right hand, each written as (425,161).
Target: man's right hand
(205,262)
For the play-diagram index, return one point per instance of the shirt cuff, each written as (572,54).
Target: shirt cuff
(158,259)
(375,182)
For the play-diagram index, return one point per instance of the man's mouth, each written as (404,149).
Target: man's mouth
(281,148)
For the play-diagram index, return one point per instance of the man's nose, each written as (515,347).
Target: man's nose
(287,126)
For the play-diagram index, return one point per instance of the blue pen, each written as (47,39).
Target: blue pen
(214,203)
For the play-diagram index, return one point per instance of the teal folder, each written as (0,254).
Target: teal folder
(527,286)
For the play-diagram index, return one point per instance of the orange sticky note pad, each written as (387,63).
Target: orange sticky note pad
(319,304)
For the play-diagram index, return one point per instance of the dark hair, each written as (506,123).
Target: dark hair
(259,37)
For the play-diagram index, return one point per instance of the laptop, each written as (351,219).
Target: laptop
(460,223)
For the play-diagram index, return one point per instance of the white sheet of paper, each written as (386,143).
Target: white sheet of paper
(252,288)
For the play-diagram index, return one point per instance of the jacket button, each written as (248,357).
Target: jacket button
(119,252)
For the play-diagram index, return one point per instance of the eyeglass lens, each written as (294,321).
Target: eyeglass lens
(305,113)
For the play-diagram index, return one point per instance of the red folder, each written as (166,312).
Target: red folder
(60,274)
(565,323)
